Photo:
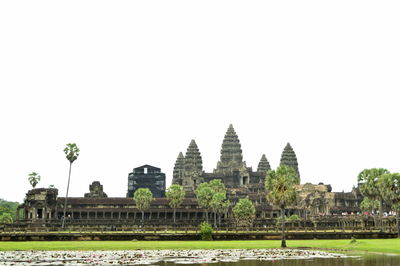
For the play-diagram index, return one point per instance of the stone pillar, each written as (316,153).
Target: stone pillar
(95,215)
(17,214)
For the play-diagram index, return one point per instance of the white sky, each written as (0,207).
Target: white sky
(132,82)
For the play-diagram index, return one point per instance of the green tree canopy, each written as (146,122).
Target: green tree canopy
(143,197)
(175,195)
(244,212)
(368,181)
(71,152)
(34,179)
(6,218)
(281,187)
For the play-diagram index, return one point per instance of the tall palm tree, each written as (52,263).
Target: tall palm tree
(280,184)
(72,152)
(368,180)
(389,185)
(143,197)
(175,195)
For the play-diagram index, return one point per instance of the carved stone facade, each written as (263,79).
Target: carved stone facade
(239,179)
(96,191)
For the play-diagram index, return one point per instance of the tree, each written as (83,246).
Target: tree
(368,205)
(175,195)
(34,179)
(280,184)
(368,180)
(218,205)
(9,208)
(217,186)
(6,218)
(72,152)
(244,212)
(389,187)
(143,197)
(204,195)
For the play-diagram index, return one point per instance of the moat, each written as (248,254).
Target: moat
(225,257)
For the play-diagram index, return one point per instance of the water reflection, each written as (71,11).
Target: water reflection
(363,260)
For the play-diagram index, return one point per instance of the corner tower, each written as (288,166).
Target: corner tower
(263,165)
(192,167)
(178,169)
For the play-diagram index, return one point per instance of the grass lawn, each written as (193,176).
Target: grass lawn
(371,245)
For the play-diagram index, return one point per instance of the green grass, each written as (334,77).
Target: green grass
(371,245)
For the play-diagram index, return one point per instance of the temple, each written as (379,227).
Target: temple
(44,206)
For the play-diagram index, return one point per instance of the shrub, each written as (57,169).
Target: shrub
(206,231)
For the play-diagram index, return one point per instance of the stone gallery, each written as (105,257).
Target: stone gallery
(44,206)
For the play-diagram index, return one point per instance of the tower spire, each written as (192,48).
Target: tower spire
(178,169)
(231,152)
(193,166)
(263,165)
(289,158)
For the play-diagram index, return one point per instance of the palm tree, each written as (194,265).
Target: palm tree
(143,197)
(368,180)
(389,186)
(72,152)
(280,184)
(204,194)
(34,179)
(175,195)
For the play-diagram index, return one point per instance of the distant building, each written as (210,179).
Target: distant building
(147,176)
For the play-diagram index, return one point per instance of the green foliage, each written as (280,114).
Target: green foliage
(6,218)
(71,152)
(368,180)
(206,231)
(389,187)
(369,205)
(143,197)
(353,240)
(175,195)
(204,195)
(217,185)
(8,207)
(34,179)
(280,184)
(293,218)
(244,212)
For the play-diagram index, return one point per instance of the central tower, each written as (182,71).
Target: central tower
(231,154)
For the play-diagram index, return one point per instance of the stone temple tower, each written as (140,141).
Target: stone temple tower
(178,169)
(231,154)
(263,165)
(289,158)
(192,167)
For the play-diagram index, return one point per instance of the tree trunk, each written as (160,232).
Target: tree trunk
(174,215)
(283,244)
(397,223)
(142,218)
(66,196)
(381,215)
(219,219)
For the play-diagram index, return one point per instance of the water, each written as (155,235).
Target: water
(375,260)
(222,257)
